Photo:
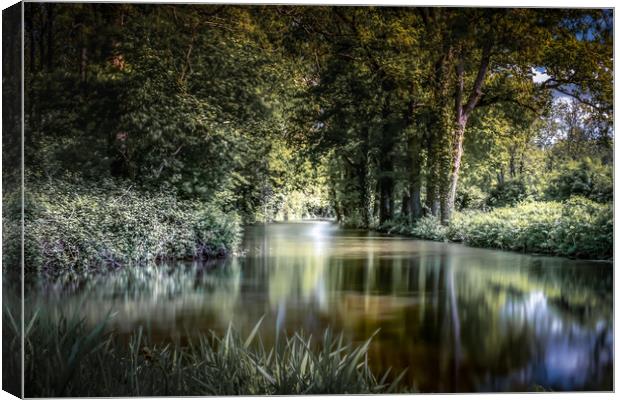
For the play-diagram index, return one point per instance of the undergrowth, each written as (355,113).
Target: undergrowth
(78,226)
(577,227)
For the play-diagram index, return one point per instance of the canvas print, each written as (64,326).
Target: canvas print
(227,199)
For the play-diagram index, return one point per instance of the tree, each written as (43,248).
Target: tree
(475,48)
(247,106)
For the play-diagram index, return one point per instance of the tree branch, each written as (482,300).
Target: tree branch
(489,101)
(580,99)
(477,88)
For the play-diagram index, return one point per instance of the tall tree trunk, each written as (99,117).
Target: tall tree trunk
(386,199)
(415,178)
(405,204)
(432,178)
(522,162)
(364,194)
(415,201)
(432,195)
(441,158)
(386,169)
(461,112)
(444,206)
(337,210)
(440,131)
(512,163)
(457,155)
(362,176)
(376,204)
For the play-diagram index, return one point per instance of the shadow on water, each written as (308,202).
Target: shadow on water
(459,318)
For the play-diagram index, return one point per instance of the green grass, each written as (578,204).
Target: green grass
(64,357)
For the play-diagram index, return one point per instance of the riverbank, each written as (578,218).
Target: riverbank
(576,228)
(83,226)
(78,226)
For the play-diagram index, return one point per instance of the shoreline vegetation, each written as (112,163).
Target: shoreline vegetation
(85,227)
(574,228)
(88,226)
(65,357)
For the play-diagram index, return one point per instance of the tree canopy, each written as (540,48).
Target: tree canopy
(369,114)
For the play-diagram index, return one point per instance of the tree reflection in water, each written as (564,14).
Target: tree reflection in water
(460,319)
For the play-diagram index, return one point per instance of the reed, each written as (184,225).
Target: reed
(65,357)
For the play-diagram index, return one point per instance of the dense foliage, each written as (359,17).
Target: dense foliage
(422,111)
(80,226)
(577,227)
(161,96)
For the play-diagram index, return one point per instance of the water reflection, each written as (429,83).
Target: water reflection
(460,319)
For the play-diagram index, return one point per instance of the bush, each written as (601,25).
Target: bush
(471,197)
(79,226)
(585,229)
(523,228)
(399,225)
(353,220)
(456,228)
(508,193)
(587,178)
(577,228)
(429,227)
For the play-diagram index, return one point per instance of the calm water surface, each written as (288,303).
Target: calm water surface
(459,318)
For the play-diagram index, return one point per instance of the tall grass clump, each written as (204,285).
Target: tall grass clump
(65,357)
(71,226)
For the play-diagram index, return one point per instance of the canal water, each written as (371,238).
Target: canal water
(456,318)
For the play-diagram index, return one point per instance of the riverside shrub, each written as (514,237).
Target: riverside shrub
(430,228)
(577,227)
(585,229)
(526,227)
(74,226)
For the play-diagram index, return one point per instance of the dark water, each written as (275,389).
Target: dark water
(459,318)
